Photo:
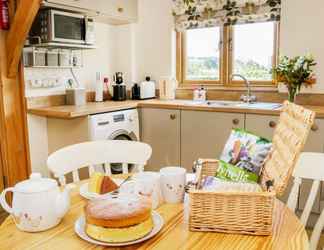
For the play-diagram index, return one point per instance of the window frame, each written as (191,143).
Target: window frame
(226,61)
(182,62)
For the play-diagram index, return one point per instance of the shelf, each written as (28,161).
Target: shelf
(62,46)
(54,67)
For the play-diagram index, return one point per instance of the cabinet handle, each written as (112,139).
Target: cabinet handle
(236,121)
(314,127)
(120,9)
(272,124)
(173,116)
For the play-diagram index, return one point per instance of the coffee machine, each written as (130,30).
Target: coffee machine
(119,88)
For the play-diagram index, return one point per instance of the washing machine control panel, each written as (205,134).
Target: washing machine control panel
(119,118)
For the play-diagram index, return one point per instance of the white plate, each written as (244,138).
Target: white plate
(84,190)
(79,228)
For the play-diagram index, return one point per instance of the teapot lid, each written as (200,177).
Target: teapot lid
(35,184)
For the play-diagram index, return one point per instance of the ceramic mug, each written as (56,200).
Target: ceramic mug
(145,183)
(173,181)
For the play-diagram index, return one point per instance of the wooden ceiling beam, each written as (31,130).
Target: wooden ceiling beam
(19,28)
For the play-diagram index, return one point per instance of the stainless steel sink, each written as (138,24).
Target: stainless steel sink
(235,104)
(254,105)
(222,103)
(260,105)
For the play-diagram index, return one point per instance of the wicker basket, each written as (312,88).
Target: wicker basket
(251,213)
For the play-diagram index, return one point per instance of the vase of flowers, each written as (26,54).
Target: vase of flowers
(294,73)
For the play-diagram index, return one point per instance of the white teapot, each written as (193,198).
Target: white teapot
(38,204)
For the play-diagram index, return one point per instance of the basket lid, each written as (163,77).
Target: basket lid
(288,141)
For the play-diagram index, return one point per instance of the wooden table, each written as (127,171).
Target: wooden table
(288,233)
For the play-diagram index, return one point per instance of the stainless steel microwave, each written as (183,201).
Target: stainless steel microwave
(56,26)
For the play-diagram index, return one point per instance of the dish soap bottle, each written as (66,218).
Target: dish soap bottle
(99,88)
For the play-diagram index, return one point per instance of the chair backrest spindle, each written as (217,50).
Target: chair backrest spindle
(97,154)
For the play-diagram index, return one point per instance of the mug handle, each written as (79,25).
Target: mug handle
(3,201)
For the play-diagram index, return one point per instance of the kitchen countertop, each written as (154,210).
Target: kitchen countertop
(69,111)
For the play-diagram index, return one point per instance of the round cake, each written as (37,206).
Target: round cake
(121,219)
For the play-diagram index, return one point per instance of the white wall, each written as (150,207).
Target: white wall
(102,59)
(145,48)
(302,32)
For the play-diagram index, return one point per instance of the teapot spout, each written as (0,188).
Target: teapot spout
(63,201)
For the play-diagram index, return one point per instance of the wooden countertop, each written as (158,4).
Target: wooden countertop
(69,112)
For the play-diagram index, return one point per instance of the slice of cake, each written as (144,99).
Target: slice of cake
(107,185)
(101,184)
(95,182)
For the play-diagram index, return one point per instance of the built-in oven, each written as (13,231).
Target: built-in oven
(56,26)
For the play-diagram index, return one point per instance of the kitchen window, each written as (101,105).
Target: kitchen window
(209,56)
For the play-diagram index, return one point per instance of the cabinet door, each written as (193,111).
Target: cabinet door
(83,4)
(204,134)
(121,9)
(262,125)
(161,130)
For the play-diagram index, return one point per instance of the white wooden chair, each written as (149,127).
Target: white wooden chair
(97,153)
(309,166)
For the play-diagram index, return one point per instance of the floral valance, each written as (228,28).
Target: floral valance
(191,14)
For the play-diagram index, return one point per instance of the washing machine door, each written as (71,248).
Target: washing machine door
(123,135)
(117,168)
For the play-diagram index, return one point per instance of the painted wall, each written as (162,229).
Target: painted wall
(101,59)
(146,48)
(302,32)
(150,42)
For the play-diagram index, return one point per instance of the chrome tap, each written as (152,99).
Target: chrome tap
(248,97)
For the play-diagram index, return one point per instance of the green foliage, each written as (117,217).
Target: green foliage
(203,68)
(252,70)
(296,71)
(207,68)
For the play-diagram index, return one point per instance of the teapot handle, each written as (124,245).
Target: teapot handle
(3,201)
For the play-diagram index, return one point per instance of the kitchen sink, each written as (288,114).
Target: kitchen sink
(260,105)
(235,104)
(254,105)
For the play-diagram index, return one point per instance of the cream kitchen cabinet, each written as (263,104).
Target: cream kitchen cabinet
(204,134)
(160,128)
(264,125)
(118,11)
(109,11)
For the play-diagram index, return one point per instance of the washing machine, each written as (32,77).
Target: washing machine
(118,125)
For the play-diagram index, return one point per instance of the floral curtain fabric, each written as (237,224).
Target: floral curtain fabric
(191,14)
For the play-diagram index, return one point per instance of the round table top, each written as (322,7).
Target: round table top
(288,233)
